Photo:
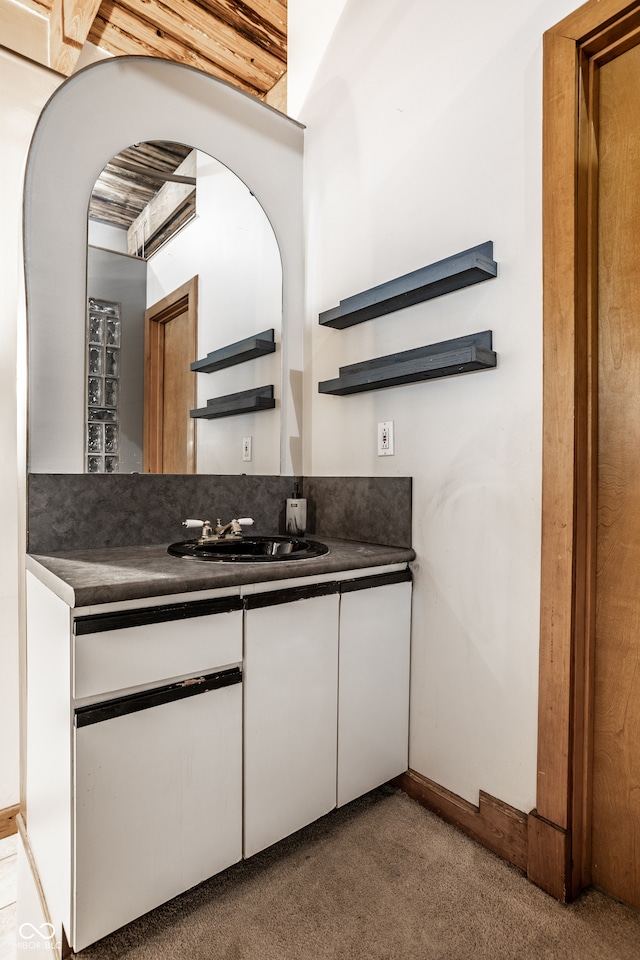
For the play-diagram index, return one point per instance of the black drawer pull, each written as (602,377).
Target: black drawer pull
(121,619)
(135,702)
(273,598)
(377,580)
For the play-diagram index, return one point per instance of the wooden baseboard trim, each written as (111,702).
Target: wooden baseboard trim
(549,865)
(8,825)
(496,825)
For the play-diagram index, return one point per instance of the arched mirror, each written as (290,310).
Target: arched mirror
(182,263)
(242,245)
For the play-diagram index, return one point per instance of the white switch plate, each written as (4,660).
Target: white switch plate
(385,439)
(247,443)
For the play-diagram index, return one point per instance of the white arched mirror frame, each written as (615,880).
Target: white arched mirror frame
(89,119)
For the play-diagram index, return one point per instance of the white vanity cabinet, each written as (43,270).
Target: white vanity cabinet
(291,705)
(166,739)
(144,797)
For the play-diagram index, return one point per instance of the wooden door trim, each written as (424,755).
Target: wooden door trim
(559,860)
(183,299)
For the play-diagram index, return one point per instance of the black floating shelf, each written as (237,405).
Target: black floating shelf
(445,359)
(461,270)
(246,401)
(238,352)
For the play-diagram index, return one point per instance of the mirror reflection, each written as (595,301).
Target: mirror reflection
(182,261)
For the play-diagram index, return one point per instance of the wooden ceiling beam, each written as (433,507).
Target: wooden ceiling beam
(165,207)
(157,175)
(158,154)
(269,33)
(241,41)
(42,7)
(273,12)
(123,32)
(199,25)
(69,25)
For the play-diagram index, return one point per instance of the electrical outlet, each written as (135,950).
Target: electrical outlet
(246,448)
(385,439)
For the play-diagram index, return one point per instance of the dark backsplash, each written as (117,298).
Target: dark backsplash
(81,511)
(371,509)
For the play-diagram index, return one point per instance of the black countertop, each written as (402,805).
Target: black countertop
(85,577)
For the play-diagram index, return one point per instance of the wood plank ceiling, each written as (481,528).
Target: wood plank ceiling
(130,183)
(241,41)
(127,183)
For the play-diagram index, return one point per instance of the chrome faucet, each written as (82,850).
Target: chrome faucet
(230,531)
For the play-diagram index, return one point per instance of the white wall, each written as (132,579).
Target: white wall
(232,249)
(107,236)
(423,139)
(310,26)
(24,88)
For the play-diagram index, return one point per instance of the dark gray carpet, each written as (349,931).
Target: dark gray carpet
(381,878)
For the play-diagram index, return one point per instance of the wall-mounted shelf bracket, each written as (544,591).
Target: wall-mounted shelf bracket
(461,270)
(246,401)
(239,352)
(444,359)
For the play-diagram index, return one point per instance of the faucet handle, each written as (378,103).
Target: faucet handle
(193,524)
(245,522)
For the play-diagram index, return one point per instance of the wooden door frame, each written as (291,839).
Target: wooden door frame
(560,826)
(183,299)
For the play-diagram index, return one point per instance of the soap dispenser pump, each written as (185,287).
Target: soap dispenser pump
(296,514)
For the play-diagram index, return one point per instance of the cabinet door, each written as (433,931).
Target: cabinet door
(291,674)
(373,709)
(158,806)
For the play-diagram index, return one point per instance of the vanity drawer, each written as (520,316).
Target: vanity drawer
(130,648)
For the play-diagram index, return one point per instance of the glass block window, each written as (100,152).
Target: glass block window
(103,387)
